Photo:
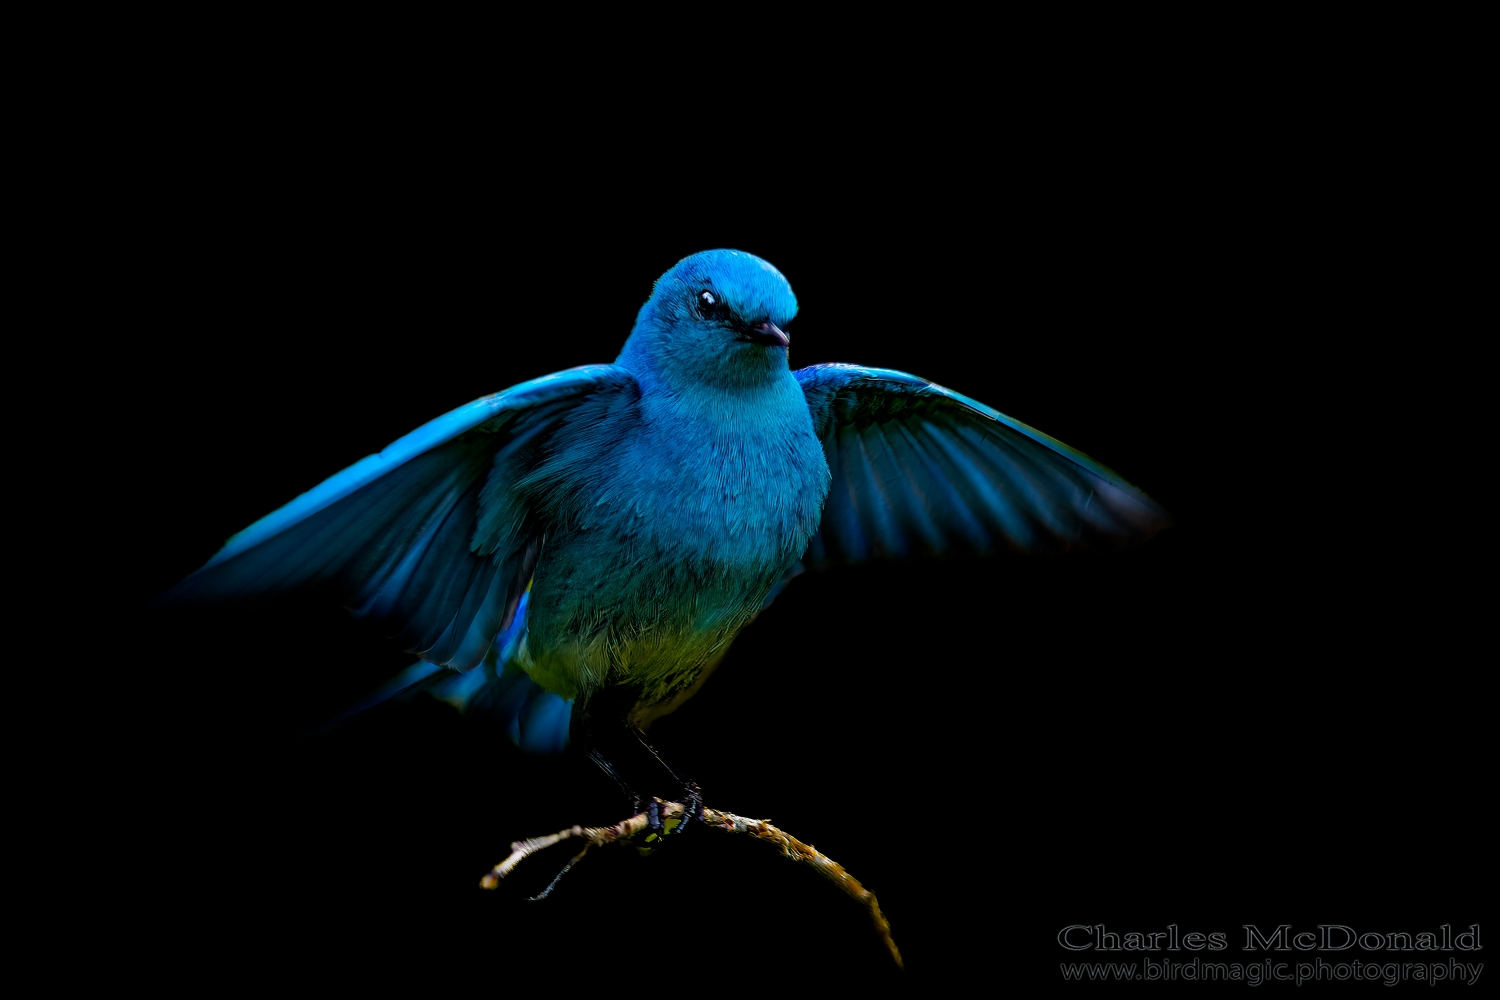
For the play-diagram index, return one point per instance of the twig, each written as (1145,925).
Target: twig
(760,829)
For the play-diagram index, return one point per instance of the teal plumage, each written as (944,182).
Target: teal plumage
(614,526)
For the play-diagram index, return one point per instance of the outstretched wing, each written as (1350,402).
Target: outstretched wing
(919,469)
(427,537)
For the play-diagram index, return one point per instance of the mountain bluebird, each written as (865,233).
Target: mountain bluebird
(600,535)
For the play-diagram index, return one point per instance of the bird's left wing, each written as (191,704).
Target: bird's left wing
(428,538)
(919,469)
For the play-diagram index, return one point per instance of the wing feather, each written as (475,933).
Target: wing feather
(920,469)
(428,538)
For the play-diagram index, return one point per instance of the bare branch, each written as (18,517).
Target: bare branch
(790,846)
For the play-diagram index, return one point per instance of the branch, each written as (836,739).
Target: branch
(598,836)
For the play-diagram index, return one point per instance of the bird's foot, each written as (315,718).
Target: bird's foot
(660,824)
(692,804)
(654,821)
(630,753)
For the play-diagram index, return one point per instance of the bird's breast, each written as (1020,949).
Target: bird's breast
(671,539)
(738,485)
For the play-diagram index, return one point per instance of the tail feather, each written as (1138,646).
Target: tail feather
(498,689)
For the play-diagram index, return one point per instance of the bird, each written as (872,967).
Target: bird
(574,555)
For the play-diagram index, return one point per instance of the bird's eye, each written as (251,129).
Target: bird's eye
(708,306)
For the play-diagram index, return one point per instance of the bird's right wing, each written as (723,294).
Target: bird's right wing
(428,538)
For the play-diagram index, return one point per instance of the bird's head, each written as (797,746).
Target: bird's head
(716,318)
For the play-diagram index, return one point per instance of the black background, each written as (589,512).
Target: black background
(1228,726)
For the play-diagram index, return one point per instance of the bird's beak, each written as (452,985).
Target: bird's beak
(767,333)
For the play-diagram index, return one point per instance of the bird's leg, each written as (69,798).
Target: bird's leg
(621,751)
(692,795)
(631,795)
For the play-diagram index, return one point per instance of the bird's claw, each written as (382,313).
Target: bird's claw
(692,804)
(692,808)
(653,818)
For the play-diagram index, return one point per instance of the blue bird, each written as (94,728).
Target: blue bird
(580,550)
